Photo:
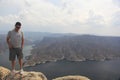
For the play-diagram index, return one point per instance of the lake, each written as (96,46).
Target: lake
(95,70)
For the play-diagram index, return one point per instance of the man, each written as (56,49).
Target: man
(15,41)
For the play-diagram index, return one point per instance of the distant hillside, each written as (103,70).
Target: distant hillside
(38,36)
(75,48)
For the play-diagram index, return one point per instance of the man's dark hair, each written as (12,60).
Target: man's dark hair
(18,23)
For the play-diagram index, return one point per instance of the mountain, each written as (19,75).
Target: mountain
(38,36)
(74,48)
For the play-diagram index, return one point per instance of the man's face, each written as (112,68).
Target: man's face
(17,27)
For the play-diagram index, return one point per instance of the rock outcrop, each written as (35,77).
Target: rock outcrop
(72,78)
(5,74)
(27,76)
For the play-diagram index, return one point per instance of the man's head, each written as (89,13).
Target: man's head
(17,26)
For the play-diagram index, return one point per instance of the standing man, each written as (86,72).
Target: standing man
(15,41)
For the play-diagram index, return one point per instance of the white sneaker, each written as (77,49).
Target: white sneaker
(13,72)
(21,71)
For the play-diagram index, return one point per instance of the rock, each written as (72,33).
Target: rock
(5,74)
(72,78)
(27,76)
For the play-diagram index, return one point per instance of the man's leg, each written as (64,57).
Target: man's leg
(20,63)
(21,66)
(20,59)
(12,56)
(13,64)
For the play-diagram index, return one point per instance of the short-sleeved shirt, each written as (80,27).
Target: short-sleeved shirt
(15,38)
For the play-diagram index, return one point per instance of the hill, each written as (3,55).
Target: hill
(75,48)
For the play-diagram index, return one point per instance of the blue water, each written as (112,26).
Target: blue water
(95,70)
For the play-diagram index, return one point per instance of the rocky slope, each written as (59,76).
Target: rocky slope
(74,48)
(5,74)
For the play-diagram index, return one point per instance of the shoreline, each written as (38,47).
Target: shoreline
(39,63)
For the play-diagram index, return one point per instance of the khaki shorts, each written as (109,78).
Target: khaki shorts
(13,52)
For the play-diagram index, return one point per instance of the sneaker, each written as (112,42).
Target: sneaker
(13,72)
(21,71)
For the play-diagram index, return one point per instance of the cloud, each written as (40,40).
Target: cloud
(116,19)
(74,16)
(117,2)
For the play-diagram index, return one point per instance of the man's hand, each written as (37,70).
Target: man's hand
(22,44)
(22,47)
(8,42)
(10,46)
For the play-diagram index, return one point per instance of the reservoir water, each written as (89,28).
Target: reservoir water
(95,70)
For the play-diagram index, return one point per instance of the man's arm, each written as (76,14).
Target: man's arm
(22,44)
(8,40)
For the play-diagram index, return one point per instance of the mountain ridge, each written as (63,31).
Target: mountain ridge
(75,48)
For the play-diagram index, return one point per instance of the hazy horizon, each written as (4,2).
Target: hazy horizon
(94,17)
(5,32)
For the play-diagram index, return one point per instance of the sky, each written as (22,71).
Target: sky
(97,17)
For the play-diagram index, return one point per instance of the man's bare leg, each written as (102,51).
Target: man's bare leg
(13,64)
(20,63)
(13,67)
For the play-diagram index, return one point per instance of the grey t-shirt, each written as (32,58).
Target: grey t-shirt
(15,38)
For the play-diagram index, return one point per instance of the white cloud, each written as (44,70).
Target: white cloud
(74,16)
(117,2)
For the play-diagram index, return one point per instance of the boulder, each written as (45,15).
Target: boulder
(71,77)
